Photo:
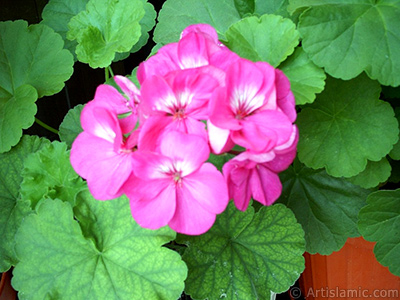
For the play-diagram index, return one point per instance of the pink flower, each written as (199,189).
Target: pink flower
(108,97)
(198,47)
(101,154)
(248,179)
(176,102)
(247,107)
(174,186)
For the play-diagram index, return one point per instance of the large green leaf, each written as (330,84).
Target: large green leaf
(32,55)
(245,7)
(16,113)
(245,255)
(346,126)
(104,28)
(70,127)
(108,257)
(350,36)
(306,79)
(48,173)
(13,210)
(375,173)
(58,13)
(326,207)
(33,64)
(269,38)
(380,222)
(176,15)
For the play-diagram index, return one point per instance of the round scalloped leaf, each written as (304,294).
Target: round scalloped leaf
(245,255)
(270,38)
(104,28)
(12,209)
(70,127)
(380,222)
(375,173)
(326,207)
(146,24)
(306,79)
(16,113)
(57,14)
(33,55)
(346,126)
(176,15)
(108,257)
(352,36)
(48,173)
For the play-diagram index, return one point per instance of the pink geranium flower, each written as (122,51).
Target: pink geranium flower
(174,186)
(101,154)
(248,179)
(175,102)
(198,47)
(247,107)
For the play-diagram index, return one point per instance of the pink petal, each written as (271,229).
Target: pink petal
(152,202)
(265,185)
(190,151)
(157,96)
(219,139)
(221,114)
(152,165)
(104,169)
(237,178)
(150,132)
(128,87)
(204,29)
(192,51)
(285,97)
(190,217)
(160,64)
(207,186)
(264,130)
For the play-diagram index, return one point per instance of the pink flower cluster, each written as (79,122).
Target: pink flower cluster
(196,97)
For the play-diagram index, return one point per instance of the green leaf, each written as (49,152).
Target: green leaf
(13,210)
(245,255)
(244,7)
(57,14)
(306,79)
(346,126)
(32,55)
(176,15)
(395,153)
(61,260)
(33,64)
(276,7)
(352,36)
(16,113)
(326,207)
(270,38)
(220,160)
(380,222)
(104,28)
(146,24)
(71,125)
(375,173)
(48,173)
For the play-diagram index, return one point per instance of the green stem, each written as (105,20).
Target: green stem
(44,125)
(110,70)
(106,73)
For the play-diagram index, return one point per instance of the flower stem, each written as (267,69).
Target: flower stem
(110,70)
(107,75)
(44,125)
